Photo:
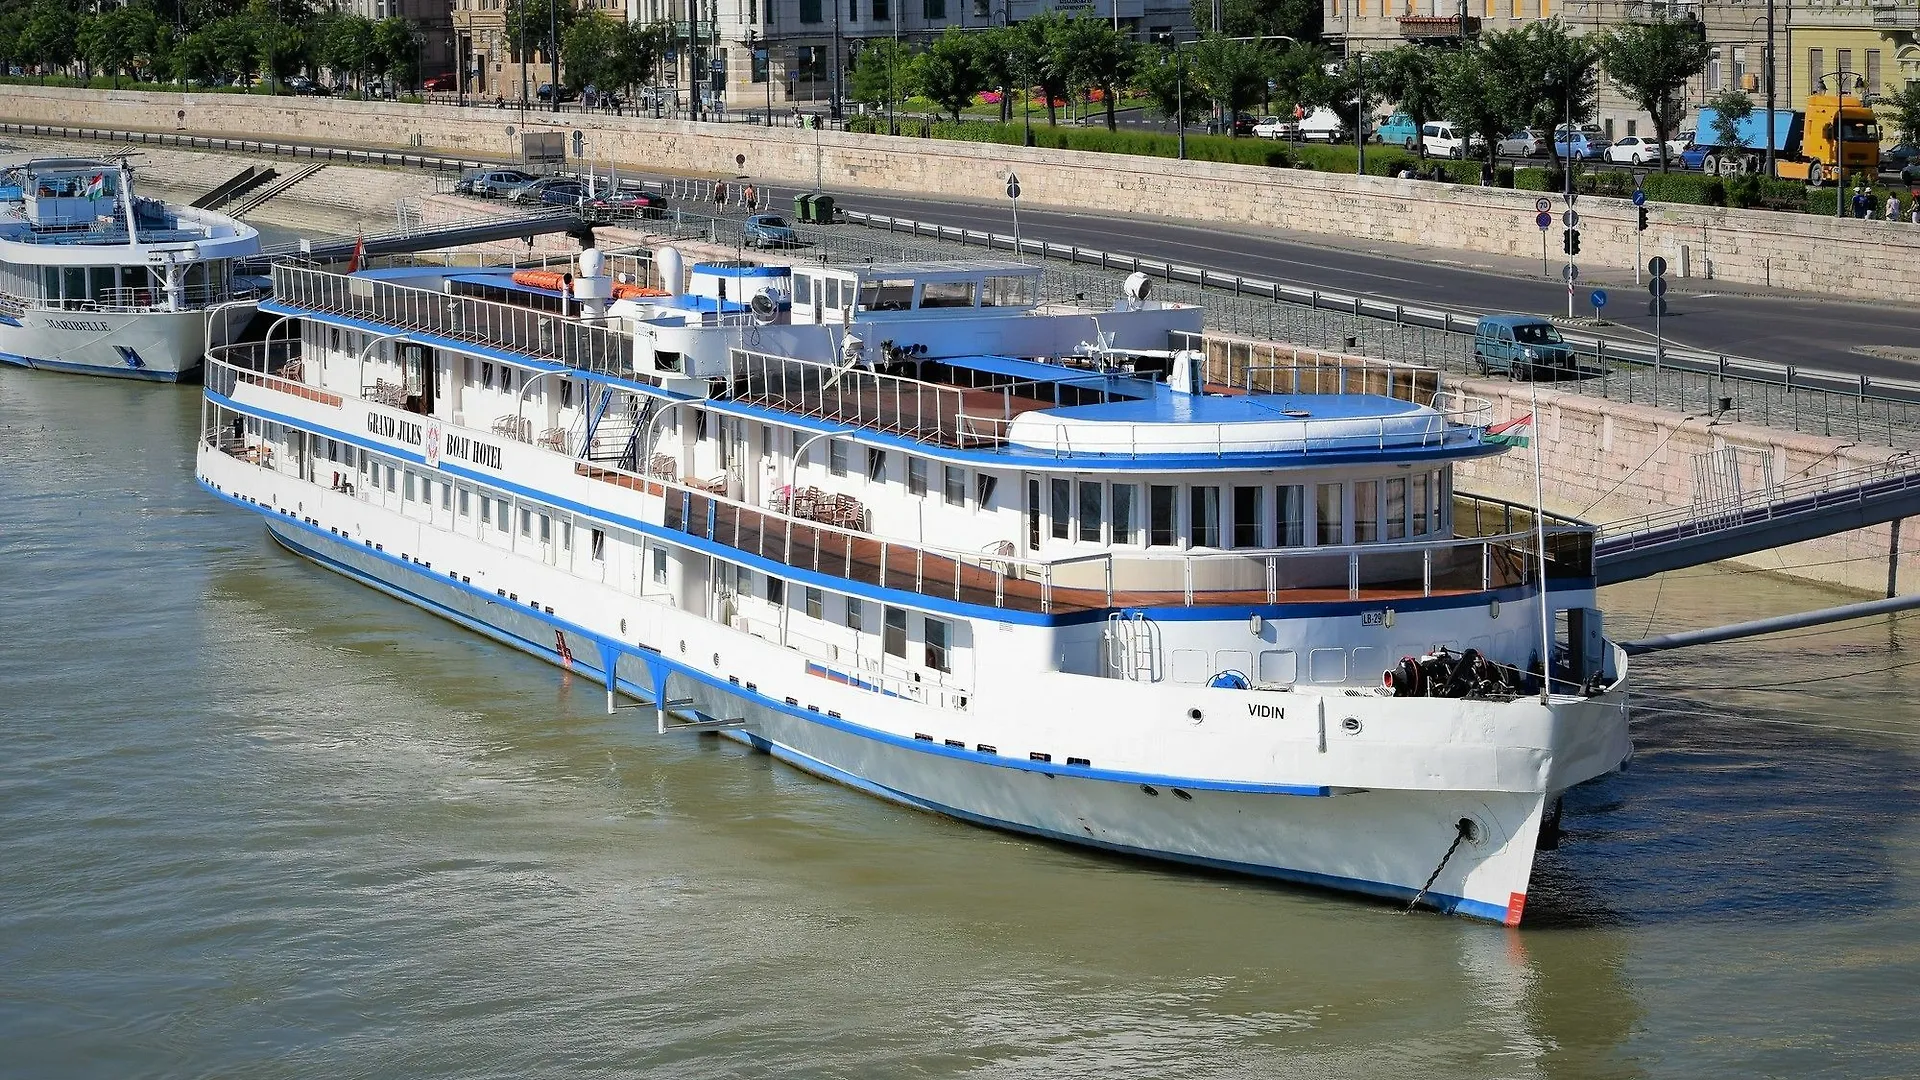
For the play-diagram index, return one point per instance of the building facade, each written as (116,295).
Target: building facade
(434,18)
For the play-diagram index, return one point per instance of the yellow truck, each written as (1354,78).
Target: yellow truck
(1804,143)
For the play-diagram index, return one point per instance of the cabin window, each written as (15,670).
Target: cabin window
(1121,507)
(390,473)
(803,290)
(466,507)
(486,510)
(1366,511)
(1397,508)
(566,536)
(1330,515)
(406,488)
(486,374)
(893,634)
(939,637)
(1060,506)
(766,441)
(506,379)
(1290,515)
(566,393)
(814,603)
(75,284)
(1008,291)
(501,513)
(546,529)
(916,476)
(984,483)
(1203,503)
(446,496)
(742,581)
(1422,499)
(836,457)
(937,294)
(597,546)
(894,294)
(876,465)
(856,616)
(659,563)
(526,522)
(1163,516)
(1092,510)
(776,591)
(956,486)
(1249,521)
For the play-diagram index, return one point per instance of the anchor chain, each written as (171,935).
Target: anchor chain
(1461,830)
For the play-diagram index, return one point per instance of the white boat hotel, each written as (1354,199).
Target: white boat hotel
(911,529)
(98,281)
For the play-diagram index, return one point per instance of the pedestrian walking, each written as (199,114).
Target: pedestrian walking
(747,196)
(1893,206)
(720,195)
(1862,203)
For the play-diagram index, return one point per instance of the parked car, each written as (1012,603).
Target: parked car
(1691,157)
(640,203)
(768,231)
(1521,346)
(1443,138)
(1679,143)
(550,191)
(1634,150)
(444,81)
(1580,144)
(567,93)
(1323,125)
(1904,160)
(1522,143)
(1398,130)
(1273,127)
(492,183)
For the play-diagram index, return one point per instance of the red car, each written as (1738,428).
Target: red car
(446,80)
(643,203)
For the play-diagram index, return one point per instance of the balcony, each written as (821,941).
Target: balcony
(1438,27)
(1897,14)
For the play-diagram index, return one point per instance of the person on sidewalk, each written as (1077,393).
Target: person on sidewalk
(1862,203)
(1913,207)
(1893,206)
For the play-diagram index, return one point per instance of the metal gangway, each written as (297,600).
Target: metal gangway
(1726,521)
(448,234)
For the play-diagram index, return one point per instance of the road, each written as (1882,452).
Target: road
(1775,325)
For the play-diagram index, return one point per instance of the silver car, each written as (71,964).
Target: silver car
(1522,143)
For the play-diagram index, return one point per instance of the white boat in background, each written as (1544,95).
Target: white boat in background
(98,281)
(912,529)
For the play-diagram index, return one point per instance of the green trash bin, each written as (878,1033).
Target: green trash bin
(823,209)
(803,207)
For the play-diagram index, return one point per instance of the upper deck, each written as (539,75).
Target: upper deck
(65,211)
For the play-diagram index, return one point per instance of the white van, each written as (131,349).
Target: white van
(1323,125)
(1443,138)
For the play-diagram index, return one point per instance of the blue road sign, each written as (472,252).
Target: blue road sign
(1599,298)
(1545,221)
(1639,198)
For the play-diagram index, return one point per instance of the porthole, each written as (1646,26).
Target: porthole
(1194,715)
(716,659)
(683,646)
(1150,789)
(1351,724)
(623,627)
(1182,796)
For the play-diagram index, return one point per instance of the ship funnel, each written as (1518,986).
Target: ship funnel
(672,269)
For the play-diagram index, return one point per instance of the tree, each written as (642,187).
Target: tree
(1652,62)
(880,72)
(1351,90)
(1473,94)
(1004,53)
(1233,74)
(642,47)
(396,50)
(1410,75)
(1159,74)
(591,49)
(535,23)
(1050,66)
(344,45)
(1292,71)
(1729,108)
(1300,20)
(947,72)
(120,39)
(1551,73)
(1099,57)
(50,36)
(1903,103)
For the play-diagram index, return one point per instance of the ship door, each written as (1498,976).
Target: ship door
(417,362)
(1033,514)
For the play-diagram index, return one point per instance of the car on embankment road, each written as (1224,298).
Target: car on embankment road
(1634,150)
(1273,127)
(768,231)
(1522,347)
(1523,143)
(1398,130)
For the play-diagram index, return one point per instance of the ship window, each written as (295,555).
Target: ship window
(1330,515)
(104,280)
(1290,515)
(597,545)
(486,510)
(1060,506)
(566,393)
(75,284)
(333,338)
(546,529)
(506,379)
(946,294)
(406,489)
(486,374)
(1248,523)
(742,581)
(502,514)
(984,483)
(956,486)
(566,536)
(938,637)
(1397,508)
(766,441)
(659,560)
(390,477)
(836,457)
(446,496)
(1121,506)
(1010,291)
(526,522)
(776,591)
(856,614)
(50,282)
(876,465)
(813,603)
(466,506)
(1366,511)
(1092,511)
(1163,517)
(1422,500)
(1204,503)
(893,635)
(803,290)
(916,476)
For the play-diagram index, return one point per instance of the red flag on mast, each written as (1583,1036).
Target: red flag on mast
(359,252)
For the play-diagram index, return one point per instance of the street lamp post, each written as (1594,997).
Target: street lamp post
(553,57)
(1179,90)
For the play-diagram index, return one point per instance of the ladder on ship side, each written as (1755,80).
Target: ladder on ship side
(1130,647)
(614,428)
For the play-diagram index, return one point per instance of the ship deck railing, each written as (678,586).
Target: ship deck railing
(523,331)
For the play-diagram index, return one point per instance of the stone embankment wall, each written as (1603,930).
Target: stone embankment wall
(1842,257)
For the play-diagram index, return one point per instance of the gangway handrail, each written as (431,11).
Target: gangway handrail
(1898,473)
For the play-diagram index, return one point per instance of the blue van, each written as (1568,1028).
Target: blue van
(1399,130)
(1522,347)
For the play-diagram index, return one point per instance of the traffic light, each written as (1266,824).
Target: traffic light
(1643,219)
(1570,241)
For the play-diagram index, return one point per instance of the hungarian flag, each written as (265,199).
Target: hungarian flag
(359,251)
(1513,432)
(96,185)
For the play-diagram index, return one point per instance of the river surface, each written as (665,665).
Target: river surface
(258,821)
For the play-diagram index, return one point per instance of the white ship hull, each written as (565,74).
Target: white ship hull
(1367,839)
(156,346)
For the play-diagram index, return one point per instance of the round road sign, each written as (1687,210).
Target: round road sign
(1656,306)
(1571,219)
(1657,286)
(1545,221)
(1543,205)
(1656,266)
(1013,185)
(1599,298)
(1571,273)
(1639,198)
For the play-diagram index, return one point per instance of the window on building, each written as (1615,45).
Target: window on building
(1816,67)
(1092,510)
(916,476)
(1249,517)
(893,634)
(836,457)
(876,465)
(1843,68)
(956,486)
(939,636)
(1060,506)
(1873,68)
(856,614)
(1397,508)
(1366,511)
(1290,515)
(1163,516)
(813,603)
(882,10)
(933,10)
(1203,506)
(1121,512)
(1330,515)
(809,12)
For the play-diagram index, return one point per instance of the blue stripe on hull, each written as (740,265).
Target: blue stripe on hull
(1449,904)
(111,372)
